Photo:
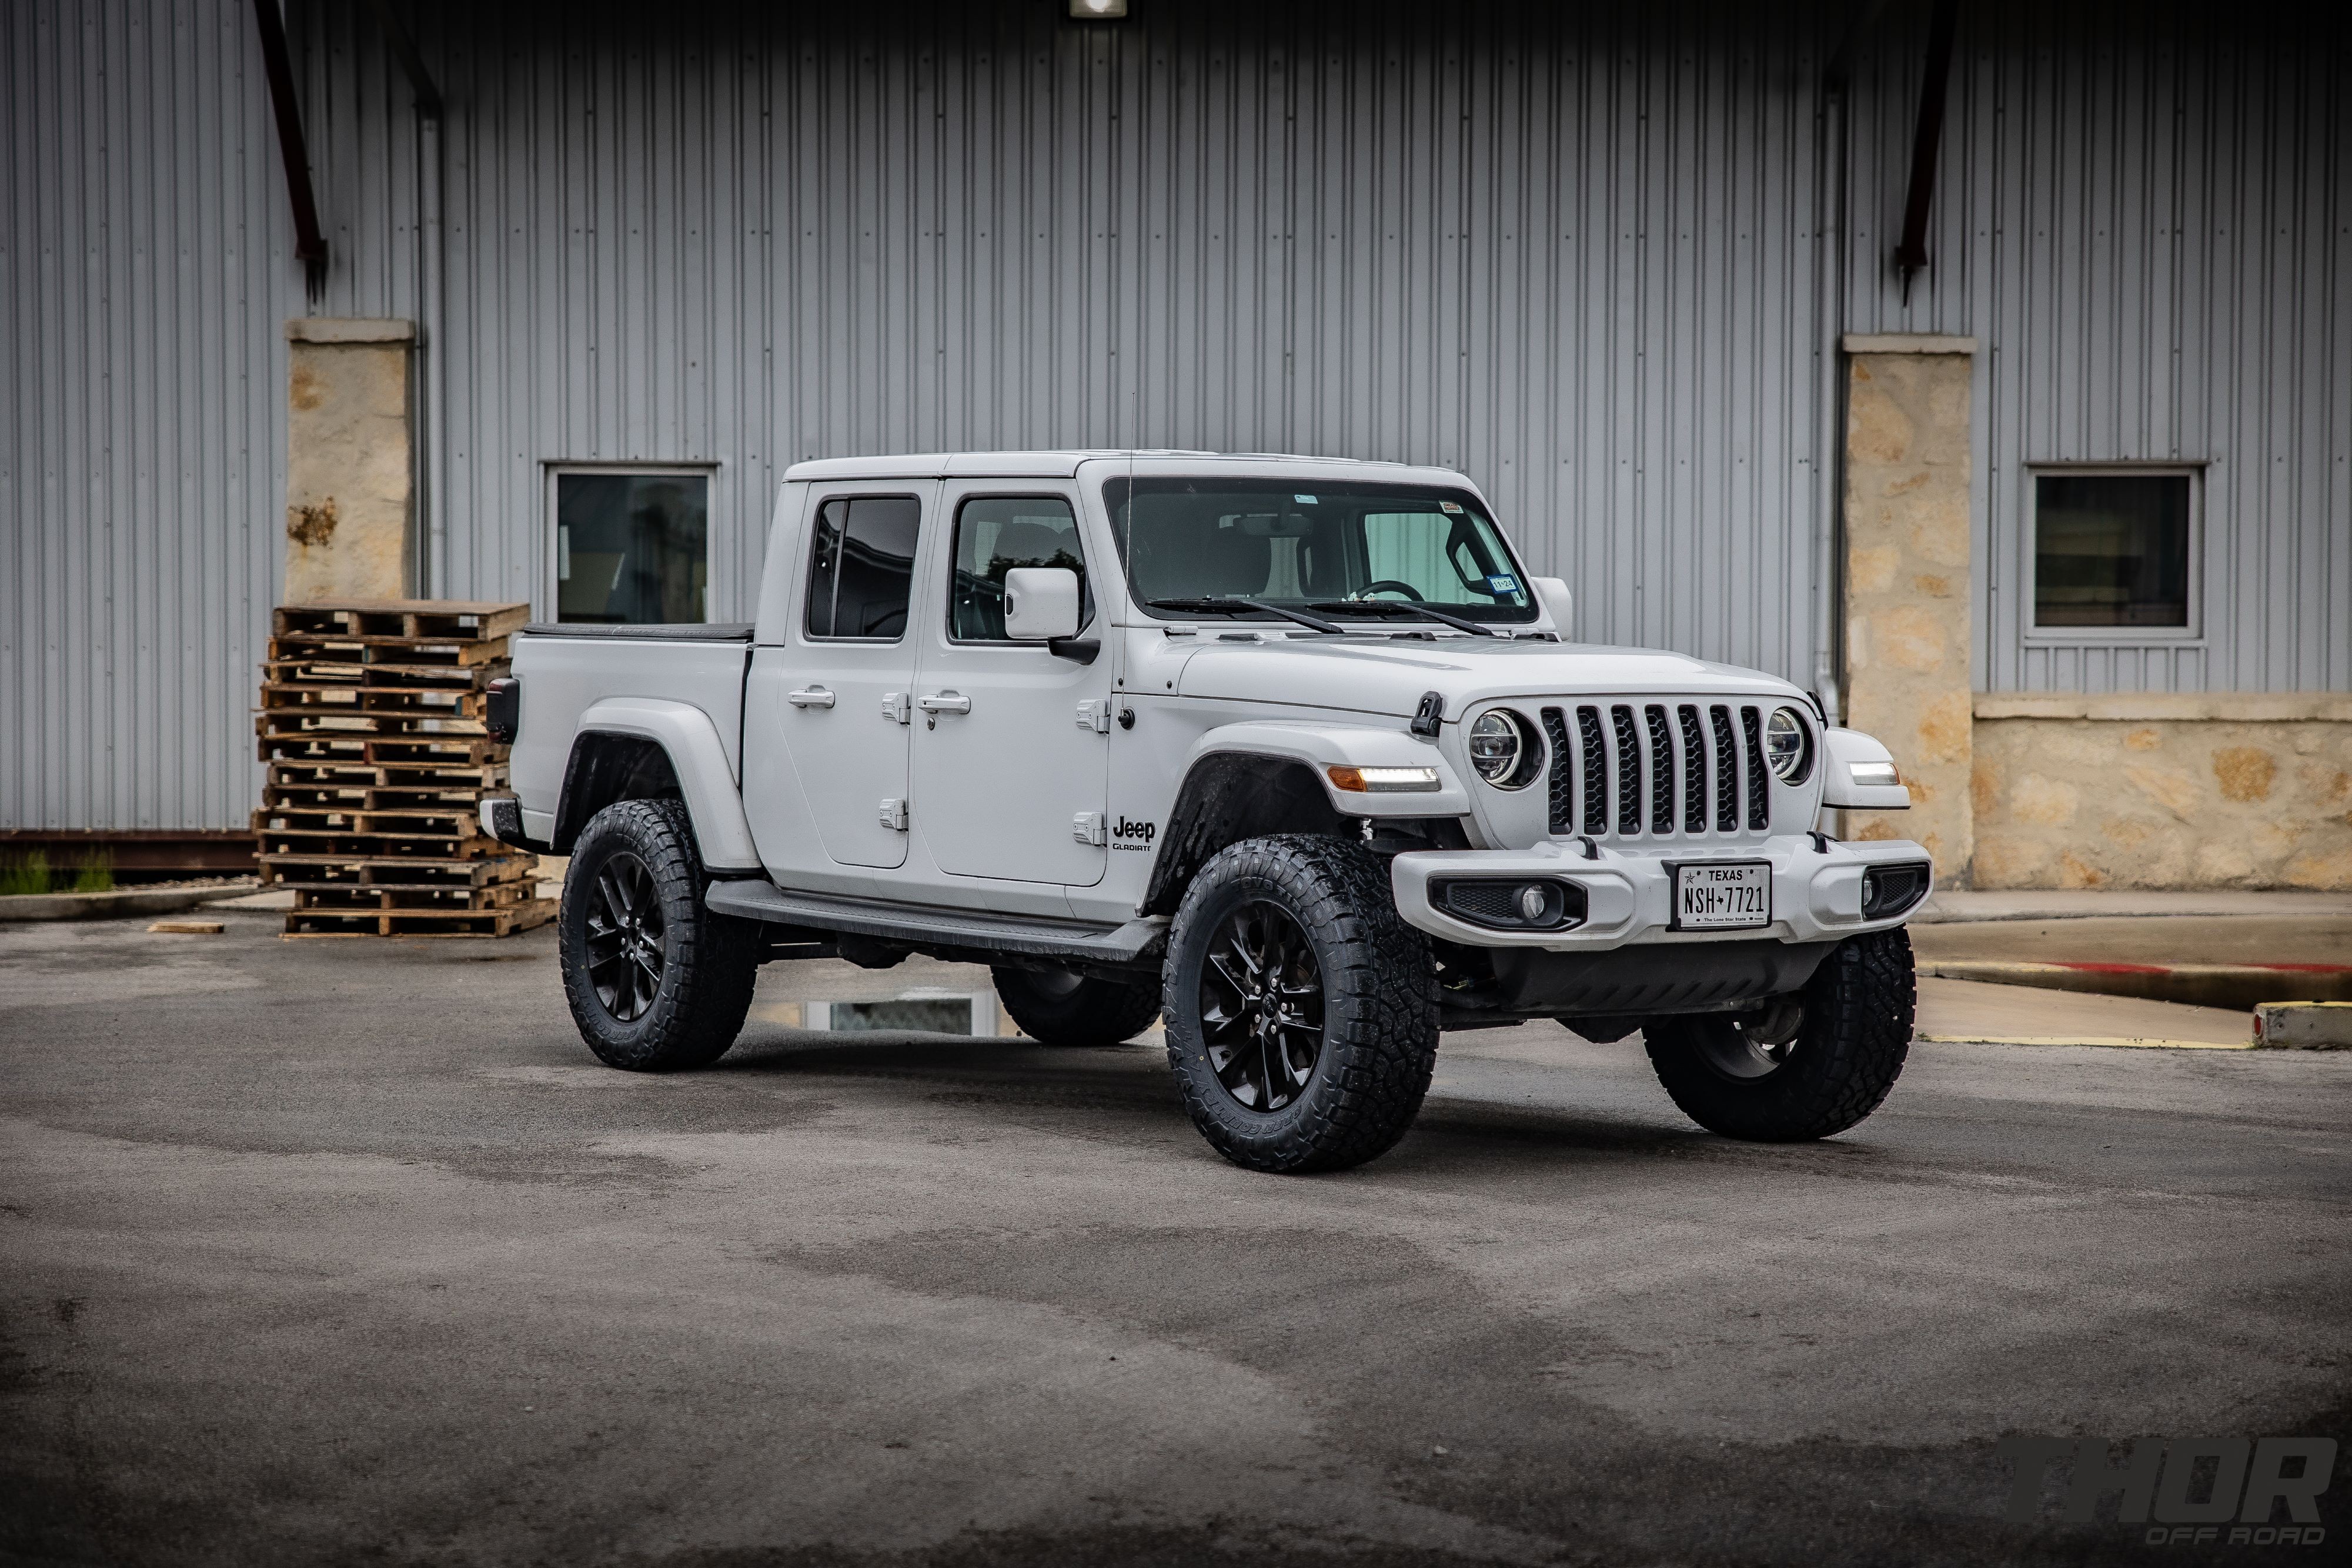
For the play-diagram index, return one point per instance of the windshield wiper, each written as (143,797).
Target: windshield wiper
(1399,607)
(1234,604)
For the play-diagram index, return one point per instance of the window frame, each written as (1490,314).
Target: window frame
(555,470)
(2192,634)
(818,502)
(1089,603)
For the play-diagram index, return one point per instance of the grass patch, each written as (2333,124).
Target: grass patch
(33,874)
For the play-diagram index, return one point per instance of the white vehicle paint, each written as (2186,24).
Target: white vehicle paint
(911,769)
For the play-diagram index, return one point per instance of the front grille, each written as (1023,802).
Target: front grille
(1657,770)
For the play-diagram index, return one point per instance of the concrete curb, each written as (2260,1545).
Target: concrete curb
(119,904)
(2238,986)
(2128,1041)
(2303,1026)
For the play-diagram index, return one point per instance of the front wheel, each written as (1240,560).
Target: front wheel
(1805,1066)
(1301,1009)
(656,981)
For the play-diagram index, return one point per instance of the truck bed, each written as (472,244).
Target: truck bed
(567,668)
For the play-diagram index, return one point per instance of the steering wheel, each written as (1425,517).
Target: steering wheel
(1387,584)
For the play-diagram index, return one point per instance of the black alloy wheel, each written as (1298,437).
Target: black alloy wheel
(656,980)
(1301,1009)
(1262,1007)
(624,939)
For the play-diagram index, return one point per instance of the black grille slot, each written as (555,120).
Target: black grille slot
(1629,771)
(1662,771)
(1726,773)
(1596,770)
(1694,771)
(1759,811)
(1563,776)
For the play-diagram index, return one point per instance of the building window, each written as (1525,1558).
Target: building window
(632,547)
(2112,551)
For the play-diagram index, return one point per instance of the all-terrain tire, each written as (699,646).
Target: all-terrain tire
(1848,1050)
(640,855)
(1054,1007)
(1377,1005)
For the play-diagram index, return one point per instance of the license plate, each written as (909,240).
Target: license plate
(1719,897)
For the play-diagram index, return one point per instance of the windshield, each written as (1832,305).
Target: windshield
(1185,541)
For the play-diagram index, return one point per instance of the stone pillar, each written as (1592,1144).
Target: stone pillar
(350,460)
(1908,594)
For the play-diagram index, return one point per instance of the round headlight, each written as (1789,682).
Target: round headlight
(1788,746)
(1502,750)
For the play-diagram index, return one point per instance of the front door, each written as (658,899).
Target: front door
(1011,741)
(840,699)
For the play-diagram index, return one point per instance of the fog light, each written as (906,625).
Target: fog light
(1097,10)
(1889,890)
(1509,904)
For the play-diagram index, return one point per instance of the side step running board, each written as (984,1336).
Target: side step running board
(754,898)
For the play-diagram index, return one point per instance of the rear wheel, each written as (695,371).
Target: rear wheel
(1302,1010)
(1802,1066)
(656,981)
(1057,1008)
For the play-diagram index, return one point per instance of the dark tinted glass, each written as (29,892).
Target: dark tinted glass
(631,549)
(2111,549)
(862,566)
(994,535)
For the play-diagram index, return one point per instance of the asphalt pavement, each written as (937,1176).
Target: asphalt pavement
(347,1251)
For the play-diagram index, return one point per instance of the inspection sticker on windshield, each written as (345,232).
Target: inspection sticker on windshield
(1453,507)
(1304,500)
(1720,895)
(1502,582)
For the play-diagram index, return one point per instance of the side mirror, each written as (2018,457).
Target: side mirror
(1555,597)
(1041,604)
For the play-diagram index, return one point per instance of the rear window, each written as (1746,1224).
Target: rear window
(862,566)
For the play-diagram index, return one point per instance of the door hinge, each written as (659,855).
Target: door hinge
(1095,714)
(894,814)
(1086,828)
(895,707)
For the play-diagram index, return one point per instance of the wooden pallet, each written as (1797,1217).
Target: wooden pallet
(364,748)
(325,871)
(397,898)
(371,718)
(444,620)
(422,923)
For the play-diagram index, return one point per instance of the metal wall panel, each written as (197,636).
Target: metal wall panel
(2145,220)
(1592,258)
(143,232)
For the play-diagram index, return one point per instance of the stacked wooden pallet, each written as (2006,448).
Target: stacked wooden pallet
(372,723)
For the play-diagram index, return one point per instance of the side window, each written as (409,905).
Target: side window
(994,535)
(862,566)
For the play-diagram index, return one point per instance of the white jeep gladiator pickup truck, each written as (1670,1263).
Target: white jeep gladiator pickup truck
(1288,752)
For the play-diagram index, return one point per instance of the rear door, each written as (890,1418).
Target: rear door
(1011,742)
(840,704)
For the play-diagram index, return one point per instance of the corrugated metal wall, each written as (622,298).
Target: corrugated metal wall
(1580,256)
(2145,220)
(143,288)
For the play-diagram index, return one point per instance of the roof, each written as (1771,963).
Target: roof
(1065,464)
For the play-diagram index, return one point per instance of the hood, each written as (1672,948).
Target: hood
(1387,675)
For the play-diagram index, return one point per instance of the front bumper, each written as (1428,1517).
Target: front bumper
(1629,894)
